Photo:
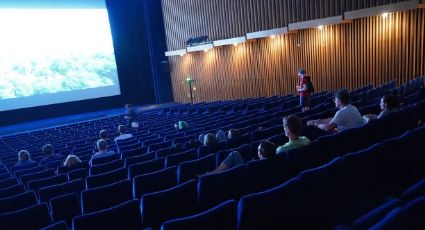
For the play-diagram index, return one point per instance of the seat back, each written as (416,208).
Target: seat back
(146,167)
(106,178)
(17,202)
(153,182)
(175,159)
(37,184)
(189,169)
(65,207)
(34,217)
(12,190)
(107,167)
(49,192)
(38,175)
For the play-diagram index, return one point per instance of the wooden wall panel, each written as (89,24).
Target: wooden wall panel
(369,50)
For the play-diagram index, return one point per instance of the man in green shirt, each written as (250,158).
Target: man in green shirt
(292,126)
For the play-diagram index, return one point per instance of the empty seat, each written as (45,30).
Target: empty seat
(156,181)
(125,216)
(267,173)
(156,209)
(96,199)
(20,167)
(133,152)
(12,190)
(28,171)
(77,174)
(215,188)
(57,226)
(8,182)
(189,169)
(107,178)
(37,184)
(222,216)
(138,159)
(65,208)
(161,145)
(64,169)
(146,167)
(5,175)
(37,175)
(175,159)
(31,218)
(373,217)
(49,192)
(166,151)
(107,167)
(103,160)
(17,202)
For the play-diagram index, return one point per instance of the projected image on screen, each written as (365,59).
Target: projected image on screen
(55,55)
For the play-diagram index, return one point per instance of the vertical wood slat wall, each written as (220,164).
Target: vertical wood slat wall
(370,50)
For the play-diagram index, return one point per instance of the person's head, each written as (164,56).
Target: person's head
(266,149)
(176,125)
(71,160)
(102,145)
(301,72)
(221,136)
(342,98)
(210,139)
(389,102)
(292,125)
(201,138)
(103,134)
(24,155)
(121,129)
(47,149)
(233,133)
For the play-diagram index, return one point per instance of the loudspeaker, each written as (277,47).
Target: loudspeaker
(165,66)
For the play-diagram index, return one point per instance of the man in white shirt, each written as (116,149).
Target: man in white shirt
(348,116)
(123,135)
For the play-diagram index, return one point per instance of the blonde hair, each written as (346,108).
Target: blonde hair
(71,160)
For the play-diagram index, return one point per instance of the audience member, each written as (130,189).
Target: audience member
(24,158)
(234,133)
(181,125)
(71,161)
(47,150)
(123,135)
(302,89)
(103,134)
(348,116)
(102,146)
(210,140)
(266,149)
(292,126)
(221,136)
(131,116)
(389,105)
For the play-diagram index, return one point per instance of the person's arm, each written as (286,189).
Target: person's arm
(303,89)
(222,167)
(323,124)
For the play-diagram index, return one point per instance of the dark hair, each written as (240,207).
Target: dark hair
(301,71)
(24,155)
(102,145)
(234,133)
(343,95)
(210,139)
(267,149)
(391,100)
(293,123)
(103,134)
(121,128)
(47,149)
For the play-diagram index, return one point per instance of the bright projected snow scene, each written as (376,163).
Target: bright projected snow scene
(55,55)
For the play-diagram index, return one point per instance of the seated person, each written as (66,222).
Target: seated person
(49,155)
(102,146)
(389,104)
(103,134)
(348,116)
(123,135)
(266,149)
(24,158)
(292,126)
(221,136)
(210,140)
(181,125)
(234,133)
(71,161)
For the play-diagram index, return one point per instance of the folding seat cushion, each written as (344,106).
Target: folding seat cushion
(61,225)
(107,178)
(65,207)
(267,173)
(125,216)
(138,159)
(49,192)
(189,169)
(107,167)
(104,160)
(37,175)
(77,174)
(16,202)
(99,198)
(146,167)
(12,190)
(37,184)
(153,182)
(222,216)
(374,216)
(218,187)
(28,171)
(31,218)
(175,159)
(155,207)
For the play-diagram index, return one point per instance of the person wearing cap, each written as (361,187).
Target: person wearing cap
(302,89)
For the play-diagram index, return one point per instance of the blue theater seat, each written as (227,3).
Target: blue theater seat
(28,171)
(12,190)
(155,207)
(139,159)
(153,182)
(31,218)
(106,167)
(17,202)
(146,167)
(37,175)
(222,216)
(107,178)
(267,173)
(65,207)
(49,192)
(77,174)
(57,226)
(99,198)
(175,159)
(37,184)
(374,216)
(8,182)
(189,169)
(125,216)
(104,160)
